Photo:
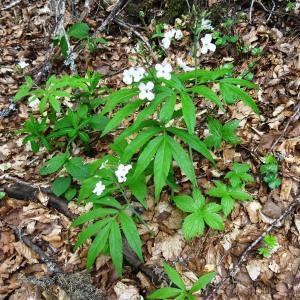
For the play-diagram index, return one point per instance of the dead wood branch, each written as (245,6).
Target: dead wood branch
(120,5)
(18,189)
(10,5)
(235,268)
(293,118)
(77,285)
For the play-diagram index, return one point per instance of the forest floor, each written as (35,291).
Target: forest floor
(25,31)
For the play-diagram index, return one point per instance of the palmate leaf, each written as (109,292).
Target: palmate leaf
(96,213)
(227,204)
(162,163)
(90,231)
(131,233)
(116,246)
(193,225)
(228,132)
(232,93)
(141,139)
(174,276)
(146,156)
(213,220)
(189,112)
(182,159)
(209,94)
(186,203)
(121,115)
(193,141)
(118,97)
(98,245)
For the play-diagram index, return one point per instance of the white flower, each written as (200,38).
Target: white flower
(163,70)
(33,102)
(166,42)
(182,64)
(170,34)
(22,64)
(178,34)
(207,44)
(206,25)
(99,188)
(133,74)
(146,90)
(138,74)
(122,171)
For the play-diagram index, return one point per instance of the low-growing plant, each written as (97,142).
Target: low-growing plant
(269,171)
(270,243)
(161,134)
(239,176)
(201,213)
(2,195)
(181,292)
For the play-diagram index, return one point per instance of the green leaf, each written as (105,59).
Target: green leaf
(198,198)
(204,75)
(203,281)
(121,115)
(241,82)
(193,225)
(2,195)
(162,163)
(94,214)
(237,93)
(90,231)
(98,122)
(213,220)
(97,245)
(146,156)
(139,189)
(131,233)
(219,190)
(228,132)
(182,296)
(209,94)
(79,31)
(70,194)
(60,185)
(140,140)
(186,203)
(118,97)
(182,159)
(193,141)
(167,110)
(106,201)
(227,205)
(164,293)
(54,164)
(54,103)
(76,168)
(115,247)
(174,276)
(189,112)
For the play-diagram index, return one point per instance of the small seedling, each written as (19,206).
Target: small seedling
(219,133)
(270,243)
(201,213)
(239,175)
(228,195)
(180,292)
(269,171)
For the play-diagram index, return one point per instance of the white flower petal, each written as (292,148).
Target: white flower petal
(166,42)
(150,96)
(150,85)
(178,34)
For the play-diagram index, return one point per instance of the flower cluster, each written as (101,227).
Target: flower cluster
(122,171)
(133,74)
(168,35)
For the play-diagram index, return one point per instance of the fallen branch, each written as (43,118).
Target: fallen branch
(115,11)
(10,5)
(234,269)
(21,190)
(77,285)
(293,118)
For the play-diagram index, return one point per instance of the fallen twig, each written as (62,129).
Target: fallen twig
(77,285)
(250,11)
(234,269)
(294,117)
(115,11)
(10,5)
(129,27)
